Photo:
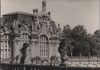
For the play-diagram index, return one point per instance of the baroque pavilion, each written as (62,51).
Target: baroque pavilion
(37,29)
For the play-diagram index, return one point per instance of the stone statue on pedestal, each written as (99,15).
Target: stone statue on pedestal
(23,51)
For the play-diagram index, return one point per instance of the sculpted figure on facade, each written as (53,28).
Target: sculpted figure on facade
(23,51)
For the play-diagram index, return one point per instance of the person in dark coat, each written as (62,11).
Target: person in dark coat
(23,51)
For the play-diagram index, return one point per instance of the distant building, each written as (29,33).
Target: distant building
(37,29)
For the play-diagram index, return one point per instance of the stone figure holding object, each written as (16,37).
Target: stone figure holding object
(23,51)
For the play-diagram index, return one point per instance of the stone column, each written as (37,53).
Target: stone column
(7,50)
(15,49)
(7,47)
(4,49)
(46,50)
(54,48)
(33,48)
(42,48)
(38,44)
(1,51)
(37,48)
(50,48)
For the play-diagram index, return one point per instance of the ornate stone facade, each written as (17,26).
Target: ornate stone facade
(37,29)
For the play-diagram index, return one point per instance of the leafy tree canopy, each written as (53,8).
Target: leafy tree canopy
(77,41)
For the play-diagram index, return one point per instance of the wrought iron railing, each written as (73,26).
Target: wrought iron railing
(42,67)
(30,67)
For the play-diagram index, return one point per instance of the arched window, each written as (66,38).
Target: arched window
(44,48)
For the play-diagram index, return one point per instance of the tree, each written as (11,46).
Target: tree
(96,37)
(82,47)
(73,40)
(65,43)
(78,36)
(77,39)
(97,50)
(89,38)
(79,33)
(66,33)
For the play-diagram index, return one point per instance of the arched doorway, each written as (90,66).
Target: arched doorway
(44,46)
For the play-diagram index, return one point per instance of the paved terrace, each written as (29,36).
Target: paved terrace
(83,62)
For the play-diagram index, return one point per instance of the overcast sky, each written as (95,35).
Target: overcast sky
(64,12)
